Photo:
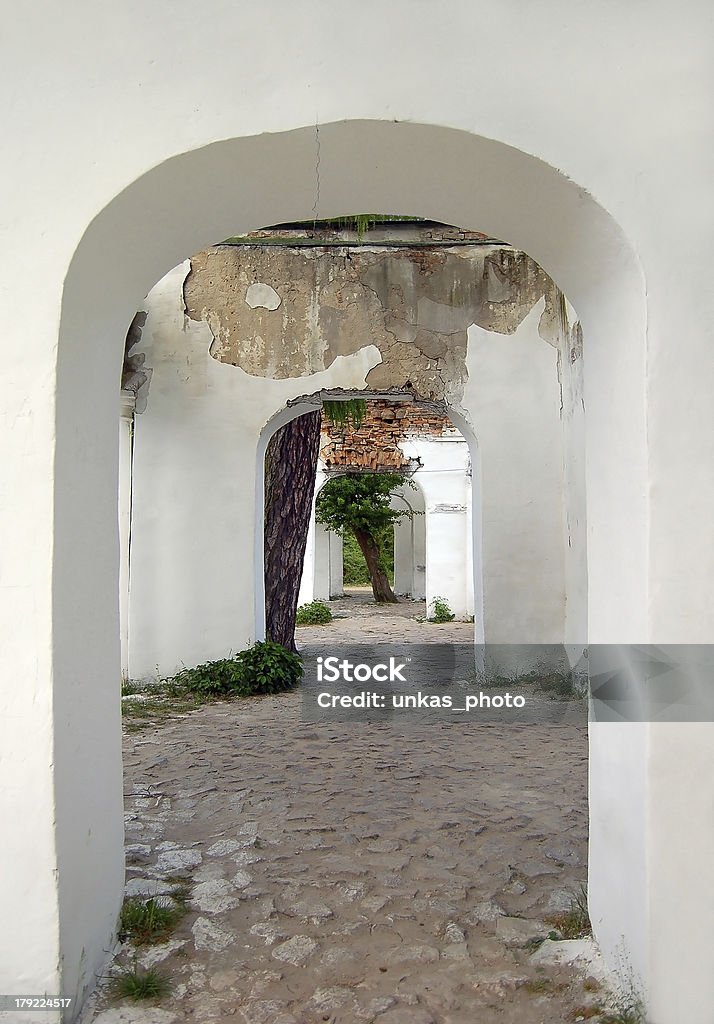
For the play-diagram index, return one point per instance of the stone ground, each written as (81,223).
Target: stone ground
(356,872)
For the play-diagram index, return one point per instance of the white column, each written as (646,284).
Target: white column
(404,557)
(336,562)
(445,556)
(307,580)
(321,573)
(419,575)
(444,481)
(126,434)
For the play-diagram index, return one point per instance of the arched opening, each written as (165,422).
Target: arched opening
(437,460)
(454,488)
(184,204)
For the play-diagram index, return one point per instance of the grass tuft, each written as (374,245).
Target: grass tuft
(585,1013)
(628,1011)
(147,922)
(574,923)
(137,984)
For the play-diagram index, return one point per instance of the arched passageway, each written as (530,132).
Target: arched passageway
(175,209)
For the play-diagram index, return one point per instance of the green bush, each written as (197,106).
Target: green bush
(221,678)
(314,614)
(440,611)
(266,667)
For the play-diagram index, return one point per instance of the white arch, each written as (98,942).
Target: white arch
(196,198)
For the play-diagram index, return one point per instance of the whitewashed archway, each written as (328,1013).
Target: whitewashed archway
(177,208)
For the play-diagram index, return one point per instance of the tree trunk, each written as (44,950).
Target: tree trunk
(383,593)
(290,468)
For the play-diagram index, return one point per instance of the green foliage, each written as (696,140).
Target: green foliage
(267,667)
(440,611)
(360,501)
(354,567)
(222,678)
(316,613)
(150,921)
(347,414)
(137,984)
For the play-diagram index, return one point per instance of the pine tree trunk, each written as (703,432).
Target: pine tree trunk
(383,593)
(290,468)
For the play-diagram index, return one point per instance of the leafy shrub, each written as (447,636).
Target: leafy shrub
(221,678)
(316,613)
(267,667)
(440,611)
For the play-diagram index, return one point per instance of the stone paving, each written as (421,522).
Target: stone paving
(356,872)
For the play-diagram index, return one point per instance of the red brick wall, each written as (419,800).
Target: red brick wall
(375,445)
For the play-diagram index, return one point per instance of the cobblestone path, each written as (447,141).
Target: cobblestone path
(355,872)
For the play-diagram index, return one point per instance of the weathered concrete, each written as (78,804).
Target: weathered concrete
(414,304)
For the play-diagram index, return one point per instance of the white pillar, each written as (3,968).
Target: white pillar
(404,557)
(126,435)
(444,480)
(307,580)
(419,575)
(336,563)
(321,587)
(445,556)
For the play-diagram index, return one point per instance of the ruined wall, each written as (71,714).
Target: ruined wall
(375,445)
(242,331)
(284,311)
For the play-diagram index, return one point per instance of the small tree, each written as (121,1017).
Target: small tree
(360,503)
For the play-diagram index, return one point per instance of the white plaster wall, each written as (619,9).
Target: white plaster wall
(306,594)
(444,478)
(410,544)
(194,504)
(521,156)
(126,445)
(328,564)
(571,371)
(336,563)
(403,557)
(323,558)
(514,395)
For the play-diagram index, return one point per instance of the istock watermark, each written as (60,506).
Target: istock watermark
(518,683)
(366,700)
(332,669)
(364,682)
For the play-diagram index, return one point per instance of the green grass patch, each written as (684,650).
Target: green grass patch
(574,923)
(146,922)
(137,984)
(316,613)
